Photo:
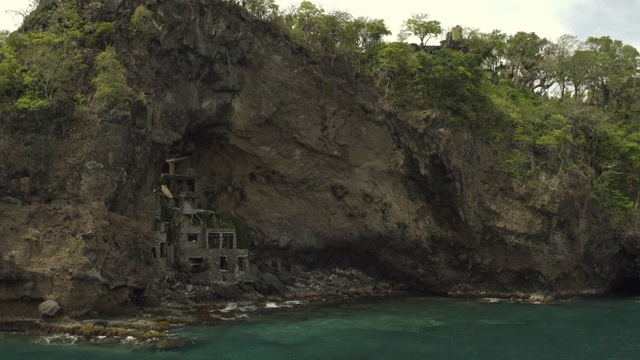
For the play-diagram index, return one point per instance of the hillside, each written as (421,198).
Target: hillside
(428,171)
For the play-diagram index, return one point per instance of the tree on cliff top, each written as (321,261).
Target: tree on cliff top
(419,26)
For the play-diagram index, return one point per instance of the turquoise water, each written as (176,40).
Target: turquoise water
(422,328)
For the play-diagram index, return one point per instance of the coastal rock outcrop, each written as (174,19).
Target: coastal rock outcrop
(301,150)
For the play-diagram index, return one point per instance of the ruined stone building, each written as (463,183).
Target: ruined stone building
(186,238)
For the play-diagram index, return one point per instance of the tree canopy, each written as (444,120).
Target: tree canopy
(418,25)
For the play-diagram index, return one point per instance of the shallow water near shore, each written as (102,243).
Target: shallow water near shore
(416,328)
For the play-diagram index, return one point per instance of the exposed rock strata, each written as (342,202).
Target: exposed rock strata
(300,150)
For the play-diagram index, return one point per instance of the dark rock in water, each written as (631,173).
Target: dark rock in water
(203,278)
(151,301)
(49,308)
(273,282)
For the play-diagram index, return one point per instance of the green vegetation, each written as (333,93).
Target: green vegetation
(138,24)
(32,235)
(75,243)
(45,69)
(419,26)
(111,83)
(565,107)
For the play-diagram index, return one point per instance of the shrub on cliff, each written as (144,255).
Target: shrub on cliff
(112,90)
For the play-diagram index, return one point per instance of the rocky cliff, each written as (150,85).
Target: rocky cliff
(301,150)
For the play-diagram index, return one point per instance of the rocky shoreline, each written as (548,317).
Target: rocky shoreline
(151,325)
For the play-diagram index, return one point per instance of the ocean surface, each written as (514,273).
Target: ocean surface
(416,328)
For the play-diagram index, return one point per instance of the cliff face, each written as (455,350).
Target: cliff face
(301,152)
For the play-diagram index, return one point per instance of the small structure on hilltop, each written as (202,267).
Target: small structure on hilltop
(453,39)
(189,239)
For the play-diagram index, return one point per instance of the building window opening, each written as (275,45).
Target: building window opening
(218,240)
(176,202)
(154,253)
(242,265)
(163,250)
(224,263)
(197,264)
(191,185)
(192,237)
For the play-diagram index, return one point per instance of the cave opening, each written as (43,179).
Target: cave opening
(626,285)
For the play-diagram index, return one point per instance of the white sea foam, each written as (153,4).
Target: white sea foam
(286,304)
(128,340)
(248,308)
(294,303)
(57,340)
(230,306)
(492,300)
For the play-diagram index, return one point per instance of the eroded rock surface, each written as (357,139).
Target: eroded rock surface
(301,151)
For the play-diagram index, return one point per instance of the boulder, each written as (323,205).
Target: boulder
(182,277)
(286,277)
(203,278)
(274,283)
(202,294)
(227,292)
(151,301)
(49,308)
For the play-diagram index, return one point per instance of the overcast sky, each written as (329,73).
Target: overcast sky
(547,18)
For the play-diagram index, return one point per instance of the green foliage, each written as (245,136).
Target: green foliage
(10,72)
(75,243)
(30,101)
(111,82)
(418,25)
(43,70)
(4,35)
(104,32)
(491,48)
(138,25)
(32,235)
(337,33)
(263,9)
(515,163)
(449,80)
